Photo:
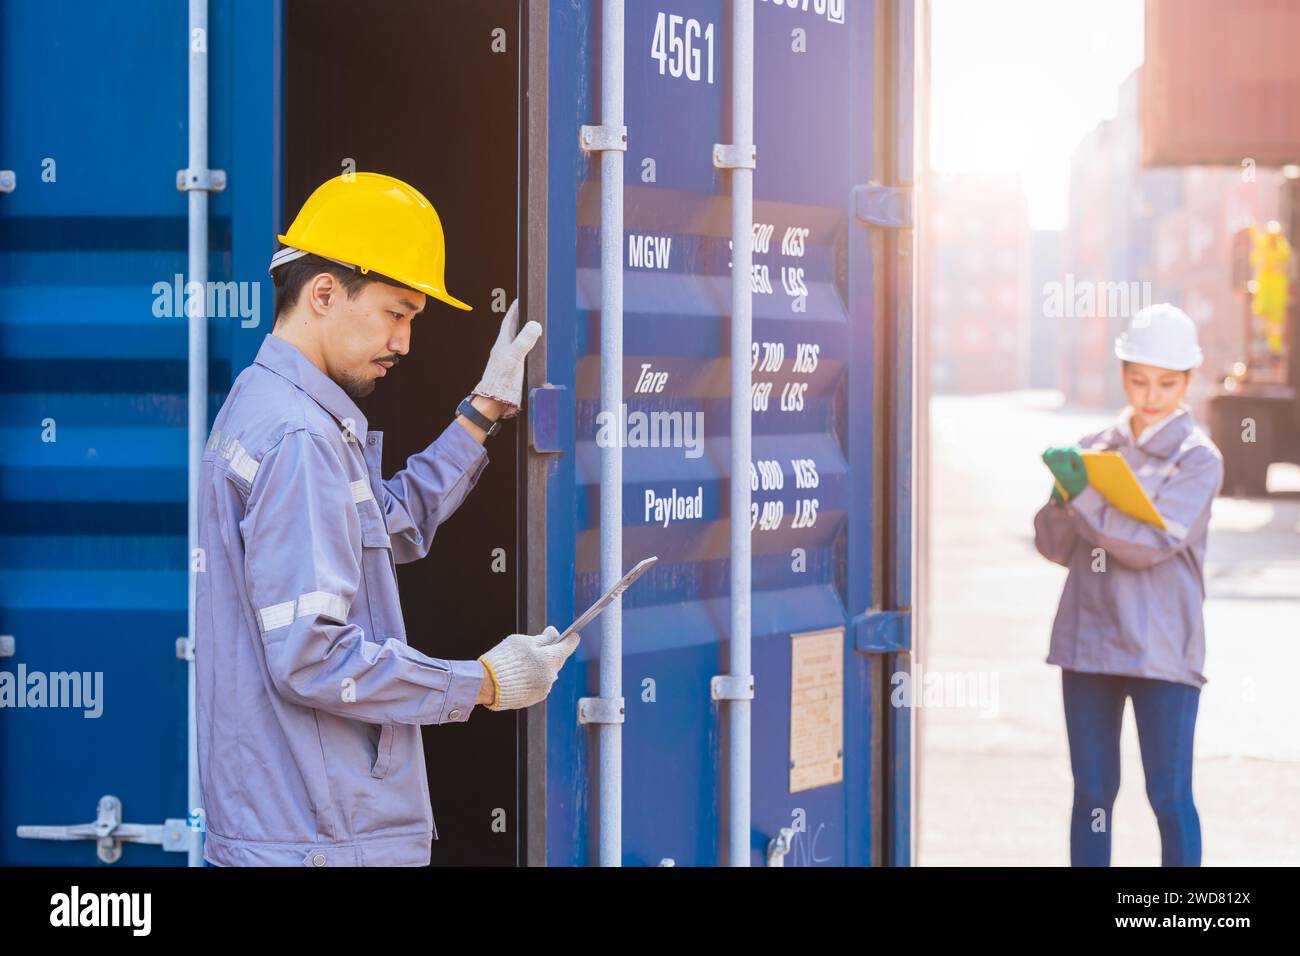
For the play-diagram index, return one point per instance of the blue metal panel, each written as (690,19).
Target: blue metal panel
(815,131)
(573,29)
(92,527)
(251,113)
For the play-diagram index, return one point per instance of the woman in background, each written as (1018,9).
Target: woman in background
(1130,621)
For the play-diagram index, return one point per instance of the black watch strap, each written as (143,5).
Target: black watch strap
(466,408)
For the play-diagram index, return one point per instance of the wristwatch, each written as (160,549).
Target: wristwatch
(466,408)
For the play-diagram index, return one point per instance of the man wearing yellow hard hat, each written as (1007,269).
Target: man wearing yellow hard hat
(309,697)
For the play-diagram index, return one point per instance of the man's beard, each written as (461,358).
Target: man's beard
(357,386)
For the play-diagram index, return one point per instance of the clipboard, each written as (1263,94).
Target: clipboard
(1111,475)
(621,585)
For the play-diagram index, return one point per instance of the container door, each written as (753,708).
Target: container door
(93,366)
(831,514)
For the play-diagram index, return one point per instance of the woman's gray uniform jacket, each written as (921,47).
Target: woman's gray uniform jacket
(1142,615)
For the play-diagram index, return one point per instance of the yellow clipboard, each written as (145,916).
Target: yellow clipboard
(1110,474)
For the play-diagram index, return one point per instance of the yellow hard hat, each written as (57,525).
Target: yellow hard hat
(374,223)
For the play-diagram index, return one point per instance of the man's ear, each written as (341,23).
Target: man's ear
(322,292)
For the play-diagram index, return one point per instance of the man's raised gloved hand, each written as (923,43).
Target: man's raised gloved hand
(503,379)
(1066,465)
(524,666)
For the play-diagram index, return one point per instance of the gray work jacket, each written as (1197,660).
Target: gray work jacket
(1142,615)
(309,697)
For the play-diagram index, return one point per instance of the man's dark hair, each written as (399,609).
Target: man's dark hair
(290,278)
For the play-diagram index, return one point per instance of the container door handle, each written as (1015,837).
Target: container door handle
(110,832)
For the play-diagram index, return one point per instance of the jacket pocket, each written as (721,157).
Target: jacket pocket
(374,534)
(383,752)
(375,538)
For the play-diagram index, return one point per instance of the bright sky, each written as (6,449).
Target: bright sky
(1015,84)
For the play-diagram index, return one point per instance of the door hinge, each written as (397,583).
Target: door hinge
(882,632)
(550,419)
(888,207)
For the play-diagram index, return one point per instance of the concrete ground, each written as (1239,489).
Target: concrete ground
(995,783)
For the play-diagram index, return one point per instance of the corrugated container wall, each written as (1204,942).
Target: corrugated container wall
(93,380)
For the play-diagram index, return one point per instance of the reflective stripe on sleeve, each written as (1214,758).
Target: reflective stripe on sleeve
(312,604)
(1179,531)
(1162,471)
(241,462)
(325,604)
(277,615)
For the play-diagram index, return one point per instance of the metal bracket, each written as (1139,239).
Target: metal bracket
(727,156)
(882,632)
(600,710)
(732,687)
(211,180)
(597,139)
(109,832)
(550,419)
(889,207)
(185,648)
(6,645)
(8,181)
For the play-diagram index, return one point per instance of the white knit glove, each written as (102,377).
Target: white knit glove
(524,666)
(503,379)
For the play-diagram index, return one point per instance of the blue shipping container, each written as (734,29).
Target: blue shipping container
(479,103)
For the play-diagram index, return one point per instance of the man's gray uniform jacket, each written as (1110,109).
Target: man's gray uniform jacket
(309,698)
(1142,615)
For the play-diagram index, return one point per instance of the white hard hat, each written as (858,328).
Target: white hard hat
(1161,335)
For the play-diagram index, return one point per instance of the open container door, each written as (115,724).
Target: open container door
(830,475)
